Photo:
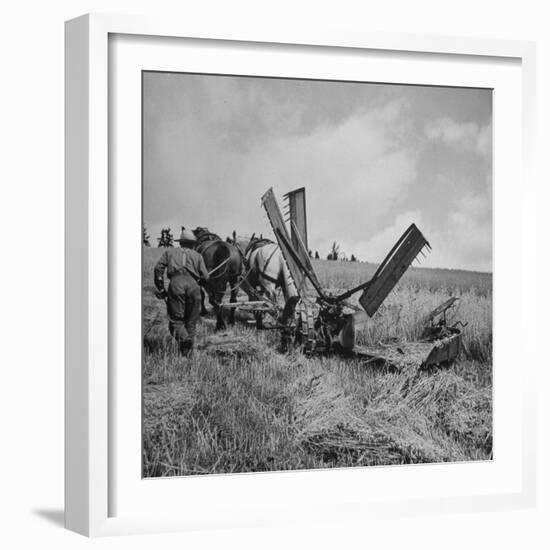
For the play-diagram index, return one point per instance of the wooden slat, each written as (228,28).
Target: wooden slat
(302,253)
(231,305)
(298,231)
(298,216)
(379,288)
(277,223)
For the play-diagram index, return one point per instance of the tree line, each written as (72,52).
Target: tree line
(166,240)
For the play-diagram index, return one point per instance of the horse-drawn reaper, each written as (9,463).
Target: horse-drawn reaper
(312,319)
(319,322)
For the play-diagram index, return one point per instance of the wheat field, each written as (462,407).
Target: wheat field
(238,405)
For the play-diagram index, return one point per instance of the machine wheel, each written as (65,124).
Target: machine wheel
(304,336)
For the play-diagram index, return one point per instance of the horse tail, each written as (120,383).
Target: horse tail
(237,263)
(220,253)
(229,255)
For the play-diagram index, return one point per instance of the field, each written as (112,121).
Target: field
(239,406)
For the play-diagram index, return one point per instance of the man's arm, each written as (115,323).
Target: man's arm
(158,272)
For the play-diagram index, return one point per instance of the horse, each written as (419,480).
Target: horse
(225,265)
(266,271)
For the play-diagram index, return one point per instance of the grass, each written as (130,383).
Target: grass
(239,406)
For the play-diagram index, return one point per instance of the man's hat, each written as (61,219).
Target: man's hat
(187,236)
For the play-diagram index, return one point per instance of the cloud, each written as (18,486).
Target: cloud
(354,171)
(375,249)
(213,145)
(464,242)
(465,136)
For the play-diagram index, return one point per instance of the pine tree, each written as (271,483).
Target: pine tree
(146,237)
(166,240)
(334,253)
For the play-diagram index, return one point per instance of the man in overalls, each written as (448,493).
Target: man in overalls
(185,268)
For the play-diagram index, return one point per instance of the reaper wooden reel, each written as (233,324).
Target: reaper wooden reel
(320,323)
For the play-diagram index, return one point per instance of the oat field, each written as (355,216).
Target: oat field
(238,405)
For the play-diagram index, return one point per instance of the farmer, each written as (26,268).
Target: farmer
(186,270)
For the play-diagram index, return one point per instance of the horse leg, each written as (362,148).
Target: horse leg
(288,310)
(272,293)
(259,318)
(220,321)
(253,296)
(233,299)
(215,298)
(204,311)
(269,290)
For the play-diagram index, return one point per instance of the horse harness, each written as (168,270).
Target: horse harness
(263,273)
(207,240)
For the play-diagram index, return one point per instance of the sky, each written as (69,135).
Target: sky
(373,158)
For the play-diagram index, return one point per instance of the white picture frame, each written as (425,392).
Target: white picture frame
(92,397)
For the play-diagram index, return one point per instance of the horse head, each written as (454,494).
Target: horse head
(204,234)
(256,242)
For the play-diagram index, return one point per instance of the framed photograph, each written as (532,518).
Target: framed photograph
(292,266)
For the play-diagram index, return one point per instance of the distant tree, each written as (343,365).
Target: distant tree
(166,240)
(146,237)
(317,255)
(334,253)
(353,258)
(309,253)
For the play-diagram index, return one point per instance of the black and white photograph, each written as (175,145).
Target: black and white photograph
(317,274)
(293,269)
